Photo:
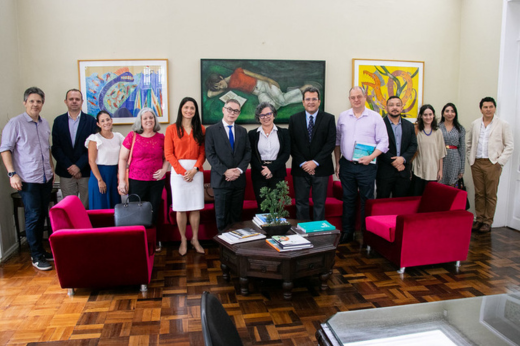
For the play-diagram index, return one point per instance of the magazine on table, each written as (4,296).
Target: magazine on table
(261,219)
(363,149)
(316,226)
(291,241)
(244,233)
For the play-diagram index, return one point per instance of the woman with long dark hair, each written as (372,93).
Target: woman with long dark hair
(103,156)
(455,140)
(427,165)
(184,149)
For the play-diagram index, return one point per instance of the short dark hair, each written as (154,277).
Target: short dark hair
(33,90)
(68,91)
(311,89)
(213,79)
(263,105)
(394,97)
(420,121)
(487,99)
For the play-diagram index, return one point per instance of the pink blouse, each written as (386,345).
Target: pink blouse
(147,156)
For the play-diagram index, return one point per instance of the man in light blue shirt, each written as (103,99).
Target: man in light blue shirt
(25,150)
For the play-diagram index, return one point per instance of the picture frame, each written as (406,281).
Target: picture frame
(279,82)
(384,78)
(124,87)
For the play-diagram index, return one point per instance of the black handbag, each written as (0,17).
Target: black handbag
(133,213)
(460,185)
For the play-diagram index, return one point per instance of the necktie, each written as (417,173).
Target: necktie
(311,126)
(231,138)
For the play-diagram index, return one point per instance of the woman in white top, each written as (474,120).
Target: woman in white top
(427,164)
(103,156)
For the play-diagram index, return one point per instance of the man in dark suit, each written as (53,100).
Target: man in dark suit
(69,132)
(313,138)
(228,152)
(393,171)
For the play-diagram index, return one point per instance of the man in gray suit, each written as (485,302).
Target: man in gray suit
(228,152)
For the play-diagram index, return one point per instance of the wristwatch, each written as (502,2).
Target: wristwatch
(11,174)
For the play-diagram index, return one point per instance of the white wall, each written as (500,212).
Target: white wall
(11,97)
(54,34)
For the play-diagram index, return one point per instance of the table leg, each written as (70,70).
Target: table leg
(244,286)
(225,271)
(287,288)
(324,278)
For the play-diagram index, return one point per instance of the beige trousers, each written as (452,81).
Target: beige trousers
(75,187)
(486,177)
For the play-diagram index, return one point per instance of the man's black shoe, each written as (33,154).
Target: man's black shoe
(346,237)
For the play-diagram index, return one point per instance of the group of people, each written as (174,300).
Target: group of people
(101,165)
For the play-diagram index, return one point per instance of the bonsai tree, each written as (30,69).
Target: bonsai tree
(275,201)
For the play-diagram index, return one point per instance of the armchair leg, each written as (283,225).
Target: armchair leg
(70,292)
(144,288)
(158,247)
(401,270)
(457,264)
(368,248)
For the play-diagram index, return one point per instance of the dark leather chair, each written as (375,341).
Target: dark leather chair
(217,327)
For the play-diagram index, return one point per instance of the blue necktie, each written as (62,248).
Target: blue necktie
(311,126)
(231,138)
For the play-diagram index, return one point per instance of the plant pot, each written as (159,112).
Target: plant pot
(271,230)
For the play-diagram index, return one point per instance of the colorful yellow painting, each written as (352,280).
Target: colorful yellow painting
(384,78)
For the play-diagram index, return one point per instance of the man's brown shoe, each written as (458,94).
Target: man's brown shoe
(476,225)
(485,228)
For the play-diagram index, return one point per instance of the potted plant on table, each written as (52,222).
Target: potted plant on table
(274,204)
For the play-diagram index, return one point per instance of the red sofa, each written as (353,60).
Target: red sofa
(414,231)
(102,255)
(167,227)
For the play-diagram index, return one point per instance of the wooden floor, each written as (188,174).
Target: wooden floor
(35,310)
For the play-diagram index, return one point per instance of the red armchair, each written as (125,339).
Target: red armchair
(105,256)
(414,231)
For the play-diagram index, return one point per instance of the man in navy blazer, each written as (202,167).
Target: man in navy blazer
(311,157)
(393,171)
(69,132)
(228,151)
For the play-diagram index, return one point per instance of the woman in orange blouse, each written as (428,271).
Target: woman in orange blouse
(184,149)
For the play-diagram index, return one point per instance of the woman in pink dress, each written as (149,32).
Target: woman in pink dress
(147,163)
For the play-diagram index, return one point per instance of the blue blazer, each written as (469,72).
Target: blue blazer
(65,154)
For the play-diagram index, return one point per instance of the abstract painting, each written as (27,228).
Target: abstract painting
(279,82)
(124,87)
(384,78)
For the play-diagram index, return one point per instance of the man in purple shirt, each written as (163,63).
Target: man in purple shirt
(356,169)
(26,153)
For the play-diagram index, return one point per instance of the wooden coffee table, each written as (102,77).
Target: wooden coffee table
(259,260)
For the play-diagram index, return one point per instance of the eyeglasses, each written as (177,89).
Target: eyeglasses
(314,99)
(266,115)
(232,111)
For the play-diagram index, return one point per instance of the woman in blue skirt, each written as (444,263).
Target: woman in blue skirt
(103,157)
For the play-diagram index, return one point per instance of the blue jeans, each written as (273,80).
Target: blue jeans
(36,198)
(355,177)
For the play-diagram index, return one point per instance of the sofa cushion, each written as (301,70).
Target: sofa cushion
(382,226)
(69,214)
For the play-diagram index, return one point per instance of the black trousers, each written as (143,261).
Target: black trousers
(228,206)
(302,188)
(394,185)
(355,177)
(150,191)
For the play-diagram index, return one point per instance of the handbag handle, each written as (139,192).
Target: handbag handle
(128,200)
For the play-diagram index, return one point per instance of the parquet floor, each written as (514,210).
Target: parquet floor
(35,310)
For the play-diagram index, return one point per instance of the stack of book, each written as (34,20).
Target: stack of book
(282,243)
(241,235)
(261,219)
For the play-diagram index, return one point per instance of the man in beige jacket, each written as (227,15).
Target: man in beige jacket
(489,146)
